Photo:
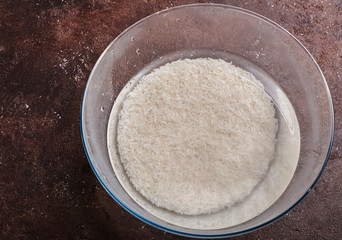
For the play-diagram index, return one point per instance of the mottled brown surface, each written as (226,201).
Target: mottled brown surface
(47,50)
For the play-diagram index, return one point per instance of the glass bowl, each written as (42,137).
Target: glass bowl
(198,30)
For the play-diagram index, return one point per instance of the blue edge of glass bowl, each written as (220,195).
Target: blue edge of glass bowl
(218,235)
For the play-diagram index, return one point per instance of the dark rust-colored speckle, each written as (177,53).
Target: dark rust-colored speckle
(47,50)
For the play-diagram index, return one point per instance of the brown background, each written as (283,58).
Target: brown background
(47,50)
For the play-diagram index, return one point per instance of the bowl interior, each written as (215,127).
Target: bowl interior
(222,28)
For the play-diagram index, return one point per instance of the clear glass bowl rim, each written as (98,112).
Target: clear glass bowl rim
(238,9)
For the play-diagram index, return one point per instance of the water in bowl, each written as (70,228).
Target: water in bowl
(279,174)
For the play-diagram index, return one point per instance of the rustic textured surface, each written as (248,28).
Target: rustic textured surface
(47,50)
